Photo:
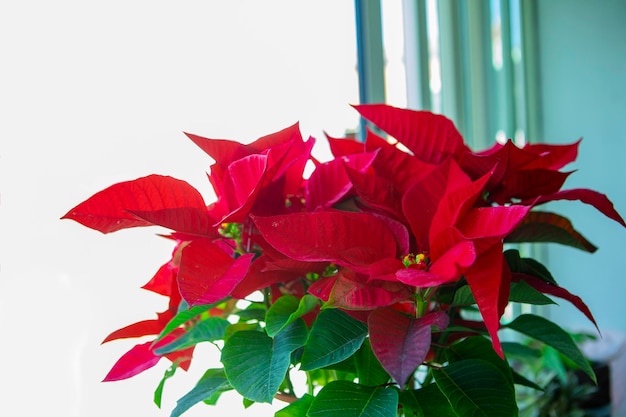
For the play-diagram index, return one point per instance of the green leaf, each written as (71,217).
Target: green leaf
(158,393)
(213,381)
(552,335)
(463,297)
(254,311)
(478,347)
(334,337)
(527,266)
(427,401)
(183,317)
(347,399)
(369,370)
(298,408)
(521,292)
(475,387)
(256,364)
(285,310)
(522,380)
(208,330)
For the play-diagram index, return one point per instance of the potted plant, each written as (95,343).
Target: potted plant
(381,278)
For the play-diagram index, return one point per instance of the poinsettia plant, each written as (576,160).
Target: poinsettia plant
(374,286)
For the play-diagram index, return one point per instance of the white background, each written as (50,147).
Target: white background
(92,93)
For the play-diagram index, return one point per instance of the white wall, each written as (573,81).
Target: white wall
(92,93)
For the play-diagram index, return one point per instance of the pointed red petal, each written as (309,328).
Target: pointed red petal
(344,146)
(431,137)
(207,274)
(492,221)
(330,181)
(139,329)
(401,343)
(136,360)
(159,200)
(552,156)
(594,198)
(485,280)
(352,291)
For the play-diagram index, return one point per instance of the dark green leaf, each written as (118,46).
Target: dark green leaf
(212,381)
(475,387)
(427,401)
(256,364)
(522,380)
(369,371)
(334,337)
(552,335)
(527,266)
(520,351)
(521,292)
(285,310)
(478,347)
(347,399)
(298,408)
(253,312)
(208,330)
(463,296)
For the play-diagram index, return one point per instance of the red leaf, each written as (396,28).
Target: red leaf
(594,198)
(151,200)
(400,342)
(139,329)
(136,360)
(547,288)
(330,181)
(552,156)
(334,236)
(207,274)
(352,291)
(432,138)
(492,221)
(485,279)
(344,146)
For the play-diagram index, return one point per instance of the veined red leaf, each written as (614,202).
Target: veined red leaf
(431,137)
(335,236)
(492,221)
(552,156)
(400,342)
(136,360)
(395,165)
(529,183)
(161,282)
(139,329)
(152,200)
(207,274)
(377,192)
(330,181)
(344,146)
(591,197)
(539,226)
(352,291)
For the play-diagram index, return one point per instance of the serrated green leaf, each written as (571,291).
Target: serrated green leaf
(347,399)
(521,292)
(552,335)
(368,369)
(208,330)
(212,381)
(298,408)
(183,317)
(256,364)
(334,337)
(475,387)
(427,401)
(285,310)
